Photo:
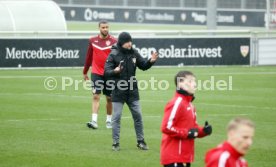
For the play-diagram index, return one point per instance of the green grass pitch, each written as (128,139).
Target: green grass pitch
(40,127)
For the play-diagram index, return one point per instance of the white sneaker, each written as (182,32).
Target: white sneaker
(108,125)
(92,124)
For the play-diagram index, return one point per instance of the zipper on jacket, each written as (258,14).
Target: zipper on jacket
(180,147)
(192,109)
(127,59)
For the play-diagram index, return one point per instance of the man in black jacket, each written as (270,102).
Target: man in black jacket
(120,67)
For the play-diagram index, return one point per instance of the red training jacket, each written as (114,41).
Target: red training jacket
(224,156)
(97,53)
(179,117)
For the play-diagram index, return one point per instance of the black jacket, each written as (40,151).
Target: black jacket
(125,83)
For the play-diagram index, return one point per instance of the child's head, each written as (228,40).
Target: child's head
(240,132)
(185,80)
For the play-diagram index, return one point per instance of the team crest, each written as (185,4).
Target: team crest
(244,50)
(107,43)
(134,60)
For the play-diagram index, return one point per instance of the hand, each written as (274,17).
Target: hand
(207,128)
(85,77)
(154,56)
(193,133)
(119,68)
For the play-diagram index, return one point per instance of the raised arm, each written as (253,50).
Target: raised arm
(144,64)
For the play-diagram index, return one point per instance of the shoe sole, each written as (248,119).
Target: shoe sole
(90,126)
(143,149)
(115,149)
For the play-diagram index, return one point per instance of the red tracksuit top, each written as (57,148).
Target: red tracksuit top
(224,155)
(97,53)
(179,117)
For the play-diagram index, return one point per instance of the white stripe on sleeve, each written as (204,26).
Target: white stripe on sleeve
(175,106)
(223,158)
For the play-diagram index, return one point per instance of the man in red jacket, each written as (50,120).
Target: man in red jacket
(179,125)
(240,132)
(98,50)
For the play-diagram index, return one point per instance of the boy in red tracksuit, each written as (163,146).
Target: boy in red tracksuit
(240,132)
(179,126)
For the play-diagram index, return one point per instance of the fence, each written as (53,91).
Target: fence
(233,4)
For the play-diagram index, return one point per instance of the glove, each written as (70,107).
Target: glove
(193,133)
(207,129)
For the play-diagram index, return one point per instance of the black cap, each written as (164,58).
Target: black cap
(123,38)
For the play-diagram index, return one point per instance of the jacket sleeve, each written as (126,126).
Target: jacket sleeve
(142,63)
(212,158)
(88,59)
(109,66)
(200,131)
(169,120)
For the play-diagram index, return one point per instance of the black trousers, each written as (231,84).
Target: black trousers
(178,165)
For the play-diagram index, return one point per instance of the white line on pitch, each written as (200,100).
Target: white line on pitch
(169,74)
(146,101)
